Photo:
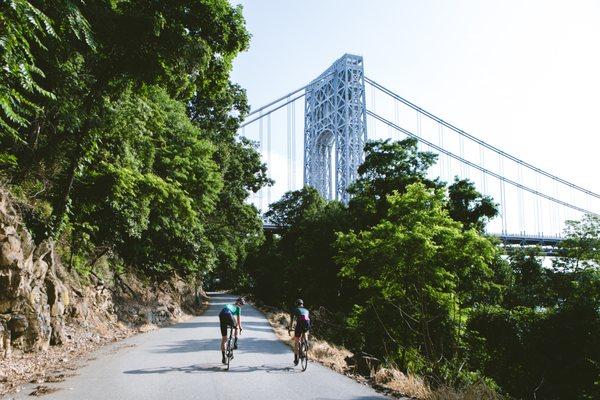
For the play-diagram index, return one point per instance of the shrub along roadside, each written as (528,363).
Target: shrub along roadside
(387,379)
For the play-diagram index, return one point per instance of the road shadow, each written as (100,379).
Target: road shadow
(189,346)
(189,369)
(357,398)
(214,367)
(246,345)
(256,323)
(192,325)
(257,328)
(250,325)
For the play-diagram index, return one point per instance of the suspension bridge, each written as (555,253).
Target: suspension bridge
(315,136)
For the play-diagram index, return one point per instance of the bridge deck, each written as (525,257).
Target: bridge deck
(505,238)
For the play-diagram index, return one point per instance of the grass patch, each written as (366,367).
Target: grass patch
(321,351)
(396,381)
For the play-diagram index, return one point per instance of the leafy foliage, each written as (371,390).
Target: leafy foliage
(155,179)
(405,273)
(468,206)
(412,263)
(23,26)
(543,352)
(388,166)
(542,342)
(581,247)
(121,129)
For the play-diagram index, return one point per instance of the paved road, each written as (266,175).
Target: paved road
(183,362)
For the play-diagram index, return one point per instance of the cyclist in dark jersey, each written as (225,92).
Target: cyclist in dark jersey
(230,315)
(302,325)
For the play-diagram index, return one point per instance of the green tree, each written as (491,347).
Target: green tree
(470,207)
(298,260)
(388,166)
(186,47)
(27,35)
(288,212)
(542,343)
(22,26)
(154,178)
(411,264)
(543,352)
(581,247)
(235,226)
(532,284)
(114,142)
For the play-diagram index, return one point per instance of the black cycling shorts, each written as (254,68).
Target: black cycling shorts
(226,319)
(302,325)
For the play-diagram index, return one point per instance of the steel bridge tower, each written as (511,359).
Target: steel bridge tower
(335,128)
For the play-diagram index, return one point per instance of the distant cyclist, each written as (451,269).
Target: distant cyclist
(230,315)
(302,325)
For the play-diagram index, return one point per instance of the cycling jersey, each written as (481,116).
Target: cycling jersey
(302,320)
(301,313)
(226,317)
(232,309)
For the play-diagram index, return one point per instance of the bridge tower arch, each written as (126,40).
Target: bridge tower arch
(335,128)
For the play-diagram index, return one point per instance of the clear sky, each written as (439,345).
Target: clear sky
(521,75)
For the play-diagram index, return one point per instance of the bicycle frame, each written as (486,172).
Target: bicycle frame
(229,348)
(303,351)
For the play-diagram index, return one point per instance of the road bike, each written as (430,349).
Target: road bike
(302,350)
(229,348)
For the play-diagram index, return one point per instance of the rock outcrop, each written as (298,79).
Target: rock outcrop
(42,304)
(33,300)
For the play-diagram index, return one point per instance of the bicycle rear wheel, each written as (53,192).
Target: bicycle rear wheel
(304,354)
(229,353)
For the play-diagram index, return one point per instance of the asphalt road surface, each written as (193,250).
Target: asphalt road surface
(183,361)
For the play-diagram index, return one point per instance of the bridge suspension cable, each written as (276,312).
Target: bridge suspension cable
(478,141)
(271,111)
(487,167)
(287,96)
(482,169)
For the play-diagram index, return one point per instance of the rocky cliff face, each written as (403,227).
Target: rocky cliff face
(33,300)
(42,304)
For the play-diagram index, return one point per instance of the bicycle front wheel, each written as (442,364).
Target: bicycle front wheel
(228,354)
(304,355)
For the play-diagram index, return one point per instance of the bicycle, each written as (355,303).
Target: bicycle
(302,350)
(229,348)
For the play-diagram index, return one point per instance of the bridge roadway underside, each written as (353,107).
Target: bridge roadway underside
(547,244)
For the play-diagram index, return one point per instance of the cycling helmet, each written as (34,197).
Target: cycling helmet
(240,301)
(299,303)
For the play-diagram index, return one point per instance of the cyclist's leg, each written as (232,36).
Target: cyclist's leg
(296,345)
(297,335)
(305,329)
(234,327)
(298,332)
(306,334)
(296,349)
(223,327)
